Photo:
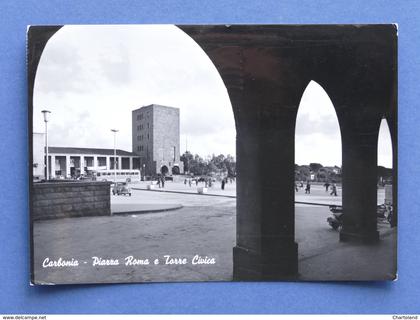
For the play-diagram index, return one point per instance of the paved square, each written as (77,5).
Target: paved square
(204,226)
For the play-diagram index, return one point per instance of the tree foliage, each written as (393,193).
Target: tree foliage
(220,165)
(315,166)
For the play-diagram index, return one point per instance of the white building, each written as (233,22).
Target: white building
(67,162)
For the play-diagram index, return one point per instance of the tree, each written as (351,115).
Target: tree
(215,165)
(315,166)
(187,158)
(230,165)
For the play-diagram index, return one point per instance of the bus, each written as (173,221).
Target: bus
(118,175)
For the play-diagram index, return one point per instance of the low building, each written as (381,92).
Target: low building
(155,145)
(67,162)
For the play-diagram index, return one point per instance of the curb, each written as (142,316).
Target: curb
(147,211)
(191,193)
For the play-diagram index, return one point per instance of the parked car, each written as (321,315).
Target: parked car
(383,211)
(121,188)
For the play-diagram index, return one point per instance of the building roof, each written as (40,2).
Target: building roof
(151,106)
(96,151)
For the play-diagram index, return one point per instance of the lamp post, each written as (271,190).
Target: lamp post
(46,115)
(115,154)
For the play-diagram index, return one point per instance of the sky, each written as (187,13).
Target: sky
(317,132)
(92,77)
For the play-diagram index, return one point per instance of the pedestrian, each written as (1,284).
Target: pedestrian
(158,181)
(185,181)
(326,185)
(334,190)
(163,181)
(296,187)
(308,187)
(189,182)
(223,184)
(301,184)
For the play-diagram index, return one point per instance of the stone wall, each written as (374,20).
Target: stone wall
(70,199)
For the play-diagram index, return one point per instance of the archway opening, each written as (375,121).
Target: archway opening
(317,170)
(317,138)
(175,170)
(384,154)
(164,170)
(385,175)
(113,70)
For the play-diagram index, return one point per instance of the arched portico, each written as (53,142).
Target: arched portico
(265,70)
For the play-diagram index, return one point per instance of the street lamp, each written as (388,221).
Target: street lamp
(46,115)
(115,154)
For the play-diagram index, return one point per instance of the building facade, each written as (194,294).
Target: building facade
(156,135)
(68,163)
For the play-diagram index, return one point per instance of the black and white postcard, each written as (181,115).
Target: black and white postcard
(177,153)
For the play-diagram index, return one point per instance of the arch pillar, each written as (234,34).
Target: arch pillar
(359,177)
(265,236)
(391,117)
(393,128)
(264,90)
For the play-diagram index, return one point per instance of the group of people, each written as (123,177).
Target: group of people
(208,182)
(327,185)
(333,188)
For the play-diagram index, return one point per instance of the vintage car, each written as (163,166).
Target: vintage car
(121,188)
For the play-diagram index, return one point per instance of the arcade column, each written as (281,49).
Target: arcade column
(264,94)
(68,164)
(359,176)
(265,240)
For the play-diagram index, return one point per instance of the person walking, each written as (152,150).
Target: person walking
(334,190)
(326,185)
(296,187)
(308,187)
(158,181)
(163,181)
(223,184)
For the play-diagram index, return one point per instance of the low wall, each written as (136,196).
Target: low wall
(70,199)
